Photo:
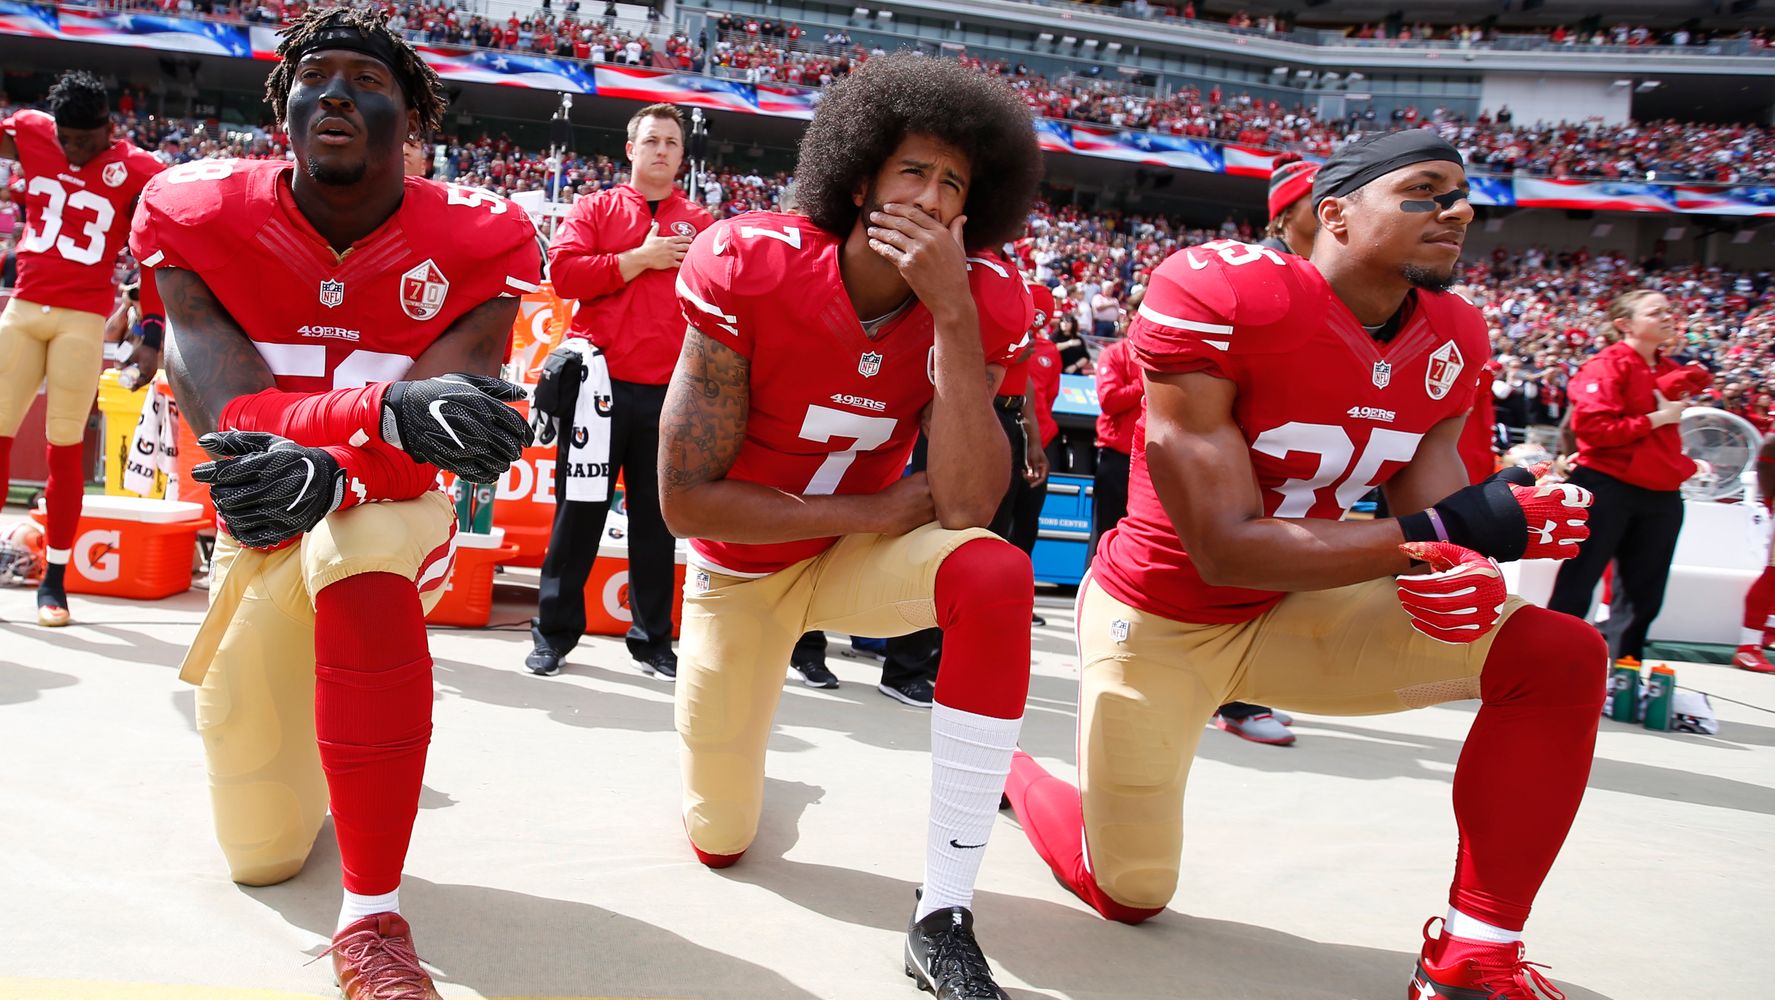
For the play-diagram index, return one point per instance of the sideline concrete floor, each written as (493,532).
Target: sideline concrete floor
(549,861)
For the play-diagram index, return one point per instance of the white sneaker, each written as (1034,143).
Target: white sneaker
(1282,717)
(1260,728)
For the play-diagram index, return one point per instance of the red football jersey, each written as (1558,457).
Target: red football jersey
(76,218)
(1326,411)
(832,411)
(320,319)
(1044,375)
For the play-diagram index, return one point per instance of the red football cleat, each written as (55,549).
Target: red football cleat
(373,959)
(1752,658)
(1452,968)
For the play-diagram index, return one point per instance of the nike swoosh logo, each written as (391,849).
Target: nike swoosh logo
(964,847)
(308,477)
(1195,265)
(436,404)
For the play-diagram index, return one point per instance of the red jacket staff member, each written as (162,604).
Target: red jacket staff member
(1119,393)
(618,253)
(1626,404)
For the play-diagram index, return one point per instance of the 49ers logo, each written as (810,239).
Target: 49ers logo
(423,290)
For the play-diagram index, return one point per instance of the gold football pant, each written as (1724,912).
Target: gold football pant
(736,638)
(1148,685)
(64,346)
(255,708)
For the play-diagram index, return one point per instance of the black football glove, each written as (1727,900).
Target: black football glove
(268,489)
(457,422)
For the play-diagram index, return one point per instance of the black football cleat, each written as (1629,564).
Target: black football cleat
(943,958)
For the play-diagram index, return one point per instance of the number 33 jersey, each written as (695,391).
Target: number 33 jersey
(76,218)
(324,320)
(832,411)
(1327,411)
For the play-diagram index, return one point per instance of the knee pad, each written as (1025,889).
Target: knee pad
(985,576)
(1546,658)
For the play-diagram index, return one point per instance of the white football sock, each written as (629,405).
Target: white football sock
(356,907)
(1750,637)
(970,759)
(1475,929)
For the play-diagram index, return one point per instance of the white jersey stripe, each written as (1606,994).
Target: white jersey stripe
(1183,324)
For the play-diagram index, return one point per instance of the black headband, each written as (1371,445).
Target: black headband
(1376,155)
(344,36)
(68,118)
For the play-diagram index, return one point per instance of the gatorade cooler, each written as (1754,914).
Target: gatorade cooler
(607,588)
(123,410)
(133,547)
(468,596)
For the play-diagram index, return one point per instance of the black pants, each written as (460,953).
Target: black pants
(1026,511)
(573,541)
(1109,495)
(1636,528)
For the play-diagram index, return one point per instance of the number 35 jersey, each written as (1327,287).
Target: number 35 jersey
(324,320)
(832,411)
(76,218)
(1327,412)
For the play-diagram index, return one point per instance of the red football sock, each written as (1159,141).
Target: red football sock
(5,466)
(372,716)
(984,596)
(1760,602)
(63,495)
(1522,772)
(1053,819)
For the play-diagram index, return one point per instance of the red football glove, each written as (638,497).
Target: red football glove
(1684,382)
(1459,600)
(1557,516)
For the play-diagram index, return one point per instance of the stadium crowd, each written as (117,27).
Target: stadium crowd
(782,52)
(1545,306)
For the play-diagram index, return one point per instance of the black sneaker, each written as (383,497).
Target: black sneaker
(663,663)
(917,692)
(943,958)
(543,661)
(1037,620)
(814,672)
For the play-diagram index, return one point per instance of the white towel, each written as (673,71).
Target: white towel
(154,447)
(588,444)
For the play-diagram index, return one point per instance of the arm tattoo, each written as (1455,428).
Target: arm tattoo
(209,359)
(704,419)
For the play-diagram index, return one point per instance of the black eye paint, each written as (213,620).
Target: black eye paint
(1441,202)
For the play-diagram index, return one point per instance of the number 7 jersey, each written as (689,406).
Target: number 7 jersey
(324,320)
(832,411)
(1327,411)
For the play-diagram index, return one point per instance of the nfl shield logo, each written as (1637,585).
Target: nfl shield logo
(1444,369)
(423,290)
(1383,373)
(332,292)
(115,173)
(869,365)
(1118,630)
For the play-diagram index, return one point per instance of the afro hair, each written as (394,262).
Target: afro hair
(863,118)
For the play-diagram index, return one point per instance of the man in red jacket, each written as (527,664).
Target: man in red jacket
(1626,404)
(618,253)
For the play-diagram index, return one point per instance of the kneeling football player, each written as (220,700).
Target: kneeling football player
(817,344)
(299,294)
(1279,391)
